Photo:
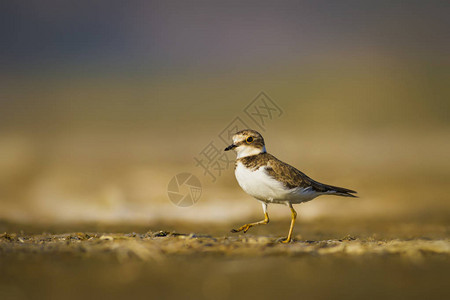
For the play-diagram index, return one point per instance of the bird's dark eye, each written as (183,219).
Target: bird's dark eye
(249,140)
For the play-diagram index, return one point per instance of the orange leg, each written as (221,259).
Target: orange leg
(293,217)
(263,222)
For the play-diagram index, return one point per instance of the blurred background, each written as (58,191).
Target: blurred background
(103,102)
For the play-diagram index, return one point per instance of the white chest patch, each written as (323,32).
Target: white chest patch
(265,188)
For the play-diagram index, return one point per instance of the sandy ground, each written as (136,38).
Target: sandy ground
(327,259)
(80,152)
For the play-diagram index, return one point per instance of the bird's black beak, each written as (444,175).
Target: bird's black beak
(232,146)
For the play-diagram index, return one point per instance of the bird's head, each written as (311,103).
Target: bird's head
(247,142)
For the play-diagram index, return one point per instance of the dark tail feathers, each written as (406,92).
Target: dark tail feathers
(335,190)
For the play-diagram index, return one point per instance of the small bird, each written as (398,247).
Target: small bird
(270,180)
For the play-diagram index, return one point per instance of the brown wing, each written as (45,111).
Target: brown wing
(292,178)
(287,174)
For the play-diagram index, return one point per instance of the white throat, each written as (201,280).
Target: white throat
(243,151)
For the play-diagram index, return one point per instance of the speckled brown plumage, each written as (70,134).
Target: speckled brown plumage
(288,175)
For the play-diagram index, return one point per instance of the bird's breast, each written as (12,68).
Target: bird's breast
(257,183)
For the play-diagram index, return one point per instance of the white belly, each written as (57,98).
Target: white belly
(263,187)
